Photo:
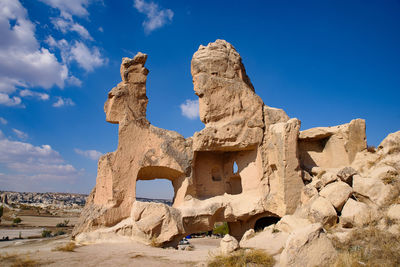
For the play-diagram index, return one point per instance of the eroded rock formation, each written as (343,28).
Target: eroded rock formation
(281,171)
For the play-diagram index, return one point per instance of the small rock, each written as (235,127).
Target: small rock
(346,175)
(228,244)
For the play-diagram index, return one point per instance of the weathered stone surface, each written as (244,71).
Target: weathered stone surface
(346,175)
(281,165)
(327,178)
(289,223)
(393,212)
(332,147)
(230,109)
(322,211)
(307,247)
(373,188)
(355,214)
(337,193)
(308,192)
(228,244)
(247,235)
(272,156)
(268,240)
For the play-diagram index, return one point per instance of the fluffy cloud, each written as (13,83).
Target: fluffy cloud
(9,101)
(3,121)
(63,102)
(68,25)
(91,154)
(86,58)
(69,7)
(23,62)
(190,109)
(29,93)
(156,16)
(20,134)
(34,162)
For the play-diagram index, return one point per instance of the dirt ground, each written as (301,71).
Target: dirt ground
(42,252)
(33,250)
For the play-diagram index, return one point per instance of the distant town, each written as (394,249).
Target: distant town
(61,199)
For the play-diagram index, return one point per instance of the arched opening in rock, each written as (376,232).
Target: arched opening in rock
(155,190)
(157,183)
(264,222)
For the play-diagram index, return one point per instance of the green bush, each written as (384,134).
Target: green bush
(46,233)
(17,220)
(60,232)
(221,229)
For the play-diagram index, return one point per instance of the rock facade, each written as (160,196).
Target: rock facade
(310,176)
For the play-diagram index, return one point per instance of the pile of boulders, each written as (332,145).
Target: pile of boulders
(334,202)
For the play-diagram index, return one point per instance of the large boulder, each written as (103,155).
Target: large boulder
(269,240)
(289,223)
(373,188)
(337,193)
(307,247)
(356,214)
(322,211)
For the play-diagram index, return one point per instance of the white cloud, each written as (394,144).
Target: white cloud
(74,81)
(9,101)
(22,59)
(63,102)
(91,154)
(100,29)
(34,162)
(3,121)
(69,7)
(190,109)
(29,93)
(23,62)
(86,58)
(156,16)
(20,134)
(68,25)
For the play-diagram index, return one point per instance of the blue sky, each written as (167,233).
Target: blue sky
(324,62)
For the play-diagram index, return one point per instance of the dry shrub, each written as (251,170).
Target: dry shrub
(241,258)
(70,247)
(14,260)
(154,243)
(369,247)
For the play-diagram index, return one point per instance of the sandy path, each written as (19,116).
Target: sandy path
(111,254)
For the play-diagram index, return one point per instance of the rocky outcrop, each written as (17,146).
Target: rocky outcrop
(332,147)
(311,179)
(307,246)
